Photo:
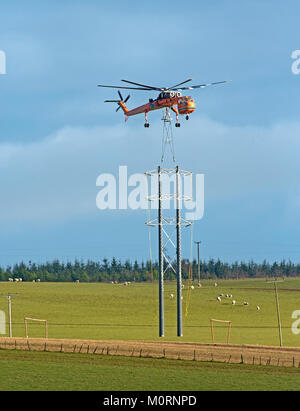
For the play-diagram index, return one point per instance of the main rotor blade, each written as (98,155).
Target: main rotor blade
(111,101)
(190,79)
(127,98)
(143,85)
(127,88)
(201,85)
(118,108)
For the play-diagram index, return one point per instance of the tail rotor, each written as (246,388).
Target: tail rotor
(118,101)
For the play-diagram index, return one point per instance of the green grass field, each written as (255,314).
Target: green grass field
(36,371)
(107,311)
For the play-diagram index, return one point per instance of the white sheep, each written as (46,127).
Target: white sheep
(171,295)
(245,303)
(199,285)
(258,308)
(192,287)
(219,299)
(10,280)
(216,284)
(233,302)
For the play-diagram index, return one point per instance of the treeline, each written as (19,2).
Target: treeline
(114,270)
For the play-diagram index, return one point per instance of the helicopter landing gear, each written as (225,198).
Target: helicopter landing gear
(177,124)
(146,121)
(187,117)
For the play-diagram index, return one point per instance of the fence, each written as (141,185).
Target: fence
(288,357)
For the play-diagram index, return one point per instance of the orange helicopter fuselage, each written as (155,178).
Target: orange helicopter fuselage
(185,105)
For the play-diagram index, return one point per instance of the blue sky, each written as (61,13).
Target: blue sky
(57,135)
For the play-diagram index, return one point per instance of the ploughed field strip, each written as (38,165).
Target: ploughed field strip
(247,354)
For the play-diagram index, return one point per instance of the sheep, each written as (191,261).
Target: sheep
(233,302)
(16,280)
(199,285)
(219,299)
(192,287)
(20,279)
(258,308)
(245,303)
(77,281)
(220,295)
(230,296)
(215,284)
(10,280)
(126,283)
(171,295)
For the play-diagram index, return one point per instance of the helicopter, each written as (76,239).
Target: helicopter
(168,97)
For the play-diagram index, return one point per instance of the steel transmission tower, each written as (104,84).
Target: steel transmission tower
(169,223)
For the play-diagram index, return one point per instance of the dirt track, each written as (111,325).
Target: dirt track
(249,354)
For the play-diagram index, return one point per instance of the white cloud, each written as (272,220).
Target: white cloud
(55,178)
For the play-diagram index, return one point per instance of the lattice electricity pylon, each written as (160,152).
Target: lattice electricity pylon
(167,134)
(167,227)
